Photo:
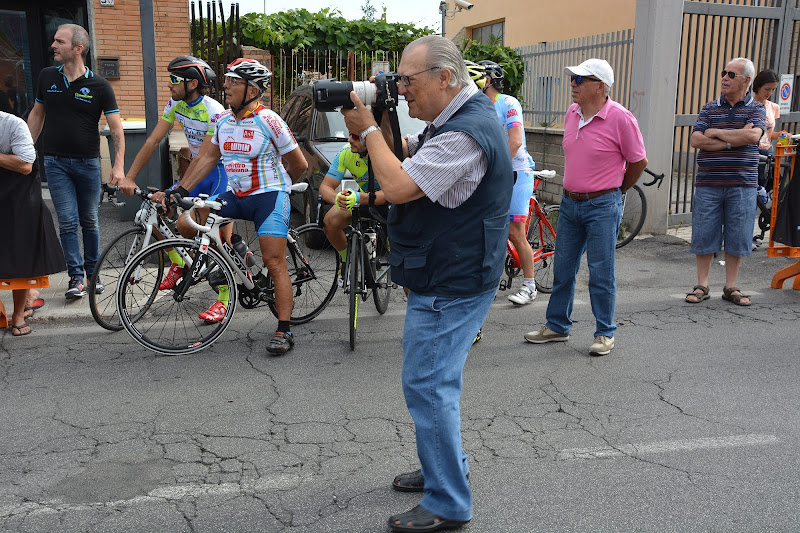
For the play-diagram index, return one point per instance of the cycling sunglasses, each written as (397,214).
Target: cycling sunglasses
(731,74)
(175,80)
(580,79)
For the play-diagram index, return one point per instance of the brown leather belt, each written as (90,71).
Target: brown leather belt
(581,196)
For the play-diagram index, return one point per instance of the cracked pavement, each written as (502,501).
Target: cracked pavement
(690,424)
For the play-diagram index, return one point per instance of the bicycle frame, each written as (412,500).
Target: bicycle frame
(209,233)
(375,275)
(534,211)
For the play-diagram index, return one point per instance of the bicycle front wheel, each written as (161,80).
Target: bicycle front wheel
(542,238)
(382,290)
(112,261)
(168,321)
(313,272)
(634,209)
(354,284)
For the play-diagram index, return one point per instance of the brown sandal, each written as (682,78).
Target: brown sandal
(731,296)
(700,292)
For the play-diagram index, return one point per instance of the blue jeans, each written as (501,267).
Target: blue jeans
(75,189)
(589,226)
(437,336)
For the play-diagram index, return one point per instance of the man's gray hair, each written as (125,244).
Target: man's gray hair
(80,37)
(443,53)
(749,68)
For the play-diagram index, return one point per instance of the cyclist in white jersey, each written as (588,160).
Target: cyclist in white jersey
(254,143)
(509,111)
(196,112)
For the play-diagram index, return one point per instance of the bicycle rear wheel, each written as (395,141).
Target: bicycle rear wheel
(313,272)
(167,321)
(354,285)
(382,291)
(108,269)
(542,239)
(634,209)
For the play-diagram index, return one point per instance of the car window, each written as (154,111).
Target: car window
(330,125)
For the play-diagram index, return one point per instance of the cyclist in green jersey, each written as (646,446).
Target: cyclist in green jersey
(353,158)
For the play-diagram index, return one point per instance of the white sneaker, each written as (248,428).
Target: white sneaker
(523,296)
(602,345)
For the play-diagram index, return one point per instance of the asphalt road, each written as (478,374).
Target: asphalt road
(690,424)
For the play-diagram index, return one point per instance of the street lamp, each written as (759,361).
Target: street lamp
(460,4)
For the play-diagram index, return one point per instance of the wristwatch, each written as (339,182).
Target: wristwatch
(366,132)
(729,146)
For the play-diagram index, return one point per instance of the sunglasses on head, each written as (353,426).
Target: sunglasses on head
(731,74)
(175,80)
(580,79)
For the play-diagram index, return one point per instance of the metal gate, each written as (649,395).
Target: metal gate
(713,33)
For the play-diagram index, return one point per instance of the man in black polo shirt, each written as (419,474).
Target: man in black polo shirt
(72,97)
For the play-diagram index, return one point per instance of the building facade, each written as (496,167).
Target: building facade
(27,28)
(520,23)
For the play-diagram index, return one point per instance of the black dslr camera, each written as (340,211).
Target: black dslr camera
(330,95)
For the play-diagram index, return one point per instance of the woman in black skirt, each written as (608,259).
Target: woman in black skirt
(30,250)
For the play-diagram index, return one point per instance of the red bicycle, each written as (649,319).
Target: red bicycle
(541,232)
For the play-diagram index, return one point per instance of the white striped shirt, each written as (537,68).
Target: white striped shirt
(449,166)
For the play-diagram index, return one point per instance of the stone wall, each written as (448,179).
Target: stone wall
(544,145)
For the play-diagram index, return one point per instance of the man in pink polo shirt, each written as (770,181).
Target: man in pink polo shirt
(604,156)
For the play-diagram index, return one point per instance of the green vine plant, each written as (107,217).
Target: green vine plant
(325,30)
(504,56)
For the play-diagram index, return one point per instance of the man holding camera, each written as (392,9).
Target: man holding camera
(448,226)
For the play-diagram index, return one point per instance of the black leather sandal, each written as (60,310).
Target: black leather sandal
(411,482)
(420,519)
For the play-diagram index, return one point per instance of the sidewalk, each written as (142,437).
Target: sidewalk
(56,307)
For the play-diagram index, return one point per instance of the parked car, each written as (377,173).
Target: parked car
(321,135)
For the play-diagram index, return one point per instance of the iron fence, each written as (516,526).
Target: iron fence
(545,91)
(216,39)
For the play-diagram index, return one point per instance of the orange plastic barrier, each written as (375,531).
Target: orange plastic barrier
(13,284)
(779,250)
(32,283)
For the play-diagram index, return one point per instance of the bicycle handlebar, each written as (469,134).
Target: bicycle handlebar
(659,178)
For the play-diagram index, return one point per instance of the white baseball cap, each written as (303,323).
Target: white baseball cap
(599,68)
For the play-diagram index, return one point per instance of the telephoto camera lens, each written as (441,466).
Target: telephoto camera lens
(332,94)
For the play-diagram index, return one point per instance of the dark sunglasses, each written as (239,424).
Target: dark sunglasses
(580,79)
(731,74)
(175,80)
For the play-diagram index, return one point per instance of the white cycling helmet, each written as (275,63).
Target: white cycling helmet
(251,70)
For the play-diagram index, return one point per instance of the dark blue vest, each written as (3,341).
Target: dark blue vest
(437,251)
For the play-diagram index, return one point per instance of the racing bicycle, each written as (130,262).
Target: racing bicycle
(167,321)
(541,231)
(367,266)
(634,209)
(151,223)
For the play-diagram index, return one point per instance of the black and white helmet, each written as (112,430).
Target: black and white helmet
(495,72)
(192,68)
(251,70)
